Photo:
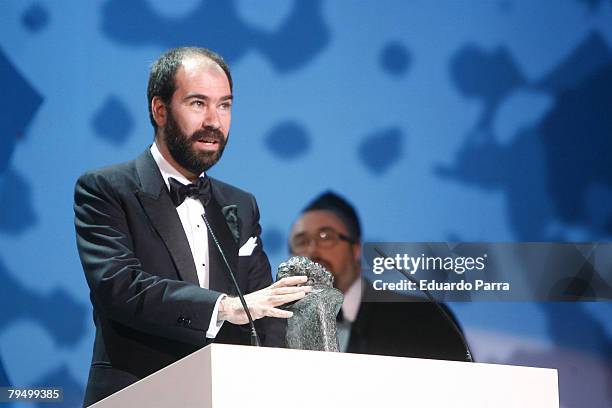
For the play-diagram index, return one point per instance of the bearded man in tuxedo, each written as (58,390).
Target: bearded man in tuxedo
(149,231)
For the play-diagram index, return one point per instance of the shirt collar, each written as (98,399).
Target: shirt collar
(166,168)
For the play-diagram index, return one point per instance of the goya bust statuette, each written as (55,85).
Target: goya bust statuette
(313,325)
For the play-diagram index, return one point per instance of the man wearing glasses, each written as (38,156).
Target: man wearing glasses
(328,232)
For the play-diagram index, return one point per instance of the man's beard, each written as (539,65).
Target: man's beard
(182,148)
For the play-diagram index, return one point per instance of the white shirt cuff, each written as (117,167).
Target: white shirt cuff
(215,323)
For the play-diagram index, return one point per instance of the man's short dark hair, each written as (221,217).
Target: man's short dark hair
(331,201)
(163,72)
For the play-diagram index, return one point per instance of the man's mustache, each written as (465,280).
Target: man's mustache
(208,133)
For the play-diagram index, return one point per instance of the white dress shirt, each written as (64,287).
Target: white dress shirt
(190,213)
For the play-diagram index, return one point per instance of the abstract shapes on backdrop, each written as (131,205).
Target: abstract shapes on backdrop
(16,202)
(112,121)
(232,37)
(395,59)
(516,169)
(592,54)
(15,118)
(288,140)
(379,151)
(549,169)
(519,111)
(44,309)
(576,134)
(598,215)
(35,17)
(269,18)
(489,76)
(174,9)
(15,199)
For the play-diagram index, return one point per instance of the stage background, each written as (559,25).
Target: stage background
(484,120)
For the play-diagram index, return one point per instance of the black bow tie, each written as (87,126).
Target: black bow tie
(200,189)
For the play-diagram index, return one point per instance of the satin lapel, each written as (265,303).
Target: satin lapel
(156,202)
(218,274)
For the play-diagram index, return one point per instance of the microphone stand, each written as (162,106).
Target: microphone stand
(468,352)
(254,336)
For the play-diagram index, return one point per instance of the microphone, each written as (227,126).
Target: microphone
(254,336)
(468,352)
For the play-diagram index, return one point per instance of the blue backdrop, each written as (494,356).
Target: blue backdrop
(485,120)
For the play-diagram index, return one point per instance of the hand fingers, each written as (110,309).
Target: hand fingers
(263,311)
(283,314)
(289,281)
(282,299)
(290,289)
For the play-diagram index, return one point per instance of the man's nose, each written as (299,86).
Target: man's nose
(311,249)
(211,118)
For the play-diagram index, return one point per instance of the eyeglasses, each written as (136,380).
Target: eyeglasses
(324,238)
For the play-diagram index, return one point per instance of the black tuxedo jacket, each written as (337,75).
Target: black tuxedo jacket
(148,307)
(388,324)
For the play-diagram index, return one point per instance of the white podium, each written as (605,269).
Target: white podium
(221,376)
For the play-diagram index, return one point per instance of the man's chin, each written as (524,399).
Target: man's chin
(207,160)
(326,265)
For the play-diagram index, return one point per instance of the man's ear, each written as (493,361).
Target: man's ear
(159,111)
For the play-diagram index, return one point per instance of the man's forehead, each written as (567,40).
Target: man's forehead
(312,221)
(208,82)
(193,62)
(196,68)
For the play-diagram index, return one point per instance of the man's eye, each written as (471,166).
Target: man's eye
(226,106)
(299,243)
(198,104)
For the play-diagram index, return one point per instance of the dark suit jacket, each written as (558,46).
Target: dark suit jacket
(149,310)
(387,324)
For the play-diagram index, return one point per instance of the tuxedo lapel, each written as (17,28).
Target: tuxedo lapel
(158,206)
(218,273)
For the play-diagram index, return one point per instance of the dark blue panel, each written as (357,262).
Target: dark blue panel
(18,104)
(58,312)
(578,147)
(591,55)
(113,122)
(517,169)
(395,58)
(553,171)
(288,140)
(35,18)
(379,151)
(16,202)
(487,76)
